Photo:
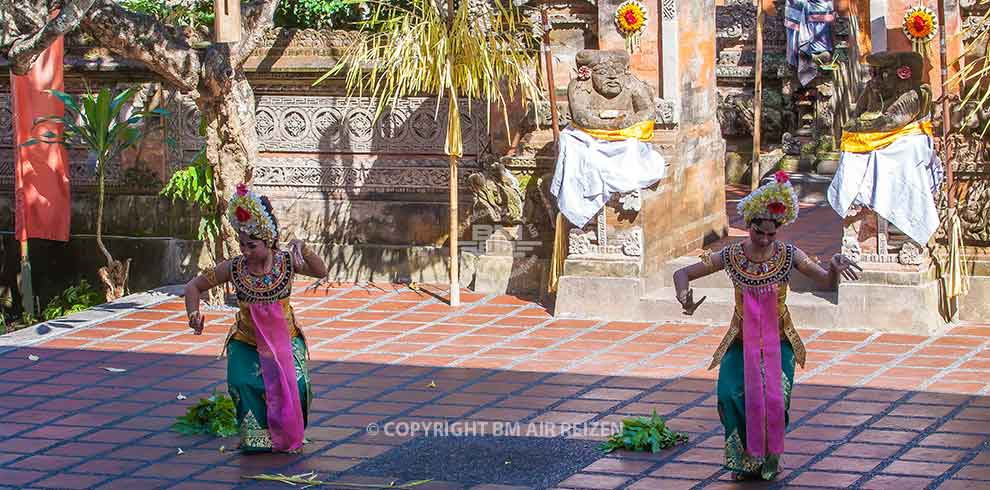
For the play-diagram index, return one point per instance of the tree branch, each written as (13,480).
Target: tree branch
(144,39)
(256,19)
(25,51)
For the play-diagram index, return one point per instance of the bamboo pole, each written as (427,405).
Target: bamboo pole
(757,98)
(946,123)
(26,286)
(551,87)
(455,283)
(553,272)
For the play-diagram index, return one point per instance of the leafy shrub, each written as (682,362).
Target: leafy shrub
(73,300)
(195,185)
(185,13)
(319,14)
(643,433)
(212,416)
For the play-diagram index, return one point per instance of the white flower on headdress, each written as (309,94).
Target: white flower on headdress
(776,201)
(247,214)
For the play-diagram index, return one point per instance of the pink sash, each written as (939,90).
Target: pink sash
(762,372)
(278,370)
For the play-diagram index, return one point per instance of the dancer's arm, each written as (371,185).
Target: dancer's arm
(709,263)
(199,285)
(305,261)
(840,265)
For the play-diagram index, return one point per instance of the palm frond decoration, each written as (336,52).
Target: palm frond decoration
(973,77)
(482,51)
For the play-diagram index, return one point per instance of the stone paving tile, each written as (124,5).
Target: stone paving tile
(874,411)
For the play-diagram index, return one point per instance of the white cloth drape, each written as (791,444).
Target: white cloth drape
(898,182)
(589,170)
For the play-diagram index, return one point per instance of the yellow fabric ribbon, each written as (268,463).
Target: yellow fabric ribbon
(957,278)
(559,253)
(641,131)
(866,142)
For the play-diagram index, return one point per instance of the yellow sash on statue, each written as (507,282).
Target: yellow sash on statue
(867,142)
(641,131)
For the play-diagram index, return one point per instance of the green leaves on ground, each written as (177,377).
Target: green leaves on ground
(213,416)
(73,300)
(644,433)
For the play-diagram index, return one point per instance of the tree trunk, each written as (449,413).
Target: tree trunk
(231,144)
(114,274)
(227,107)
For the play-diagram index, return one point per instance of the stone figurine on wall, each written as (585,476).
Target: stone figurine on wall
(894,96)
(888,163)
(497,196)
(607,147)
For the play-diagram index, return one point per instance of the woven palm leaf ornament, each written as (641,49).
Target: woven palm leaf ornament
(920,26)
(631,19)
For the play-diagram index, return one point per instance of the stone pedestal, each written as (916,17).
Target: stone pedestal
(604,266)
(975,306)
(898,289)
(608,270)
(508,260)
(869,238)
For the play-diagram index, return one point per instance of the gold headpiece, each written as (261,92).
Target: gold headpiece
(247,214)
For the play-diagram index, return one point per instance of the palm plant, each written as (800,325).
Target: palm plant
(94,121)
(973,76)
(423,47)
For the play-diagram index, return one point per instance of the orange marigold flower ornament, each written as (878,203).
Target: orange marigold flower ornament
(631,20)
(920,26)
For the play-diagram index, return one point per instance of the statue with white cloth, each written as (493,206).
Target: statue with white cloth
(606,149)
(888,161)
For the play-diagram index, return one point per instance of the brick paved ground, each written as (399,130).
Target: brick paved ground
(871,411)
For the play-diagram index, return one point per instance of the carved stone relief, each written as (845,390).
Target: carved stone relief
(594,240)
(419,175)
(736,19)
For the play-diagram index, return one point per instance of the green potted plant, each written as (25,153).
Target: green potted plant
(827,158)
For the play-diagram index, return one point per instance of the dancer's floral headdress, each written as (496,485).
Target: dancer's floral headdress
(776,201)
(246,213)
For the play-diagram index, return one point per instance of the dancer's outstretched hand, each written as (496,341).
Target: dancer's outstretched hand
(196,321)
(296,250)
(845,267)
(687,302)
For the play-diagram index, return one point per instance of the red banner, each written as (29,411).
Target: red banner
(43,203)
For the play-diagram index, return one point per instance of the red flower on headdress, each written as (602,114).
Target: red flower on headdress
(919,23)
(242,190)
(781,177)
(242,214)
(904,72)
(776,208)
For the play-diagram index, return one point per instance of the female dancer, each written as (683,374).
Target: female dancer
(756,358)
(266,365)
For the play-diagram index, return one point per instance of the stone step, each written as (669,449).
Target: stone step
(811,188)
(911,309)
(623,299)
(810,309)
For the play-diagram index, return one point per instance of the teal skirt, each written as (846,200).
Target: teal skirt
(247,389)
(732,412)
